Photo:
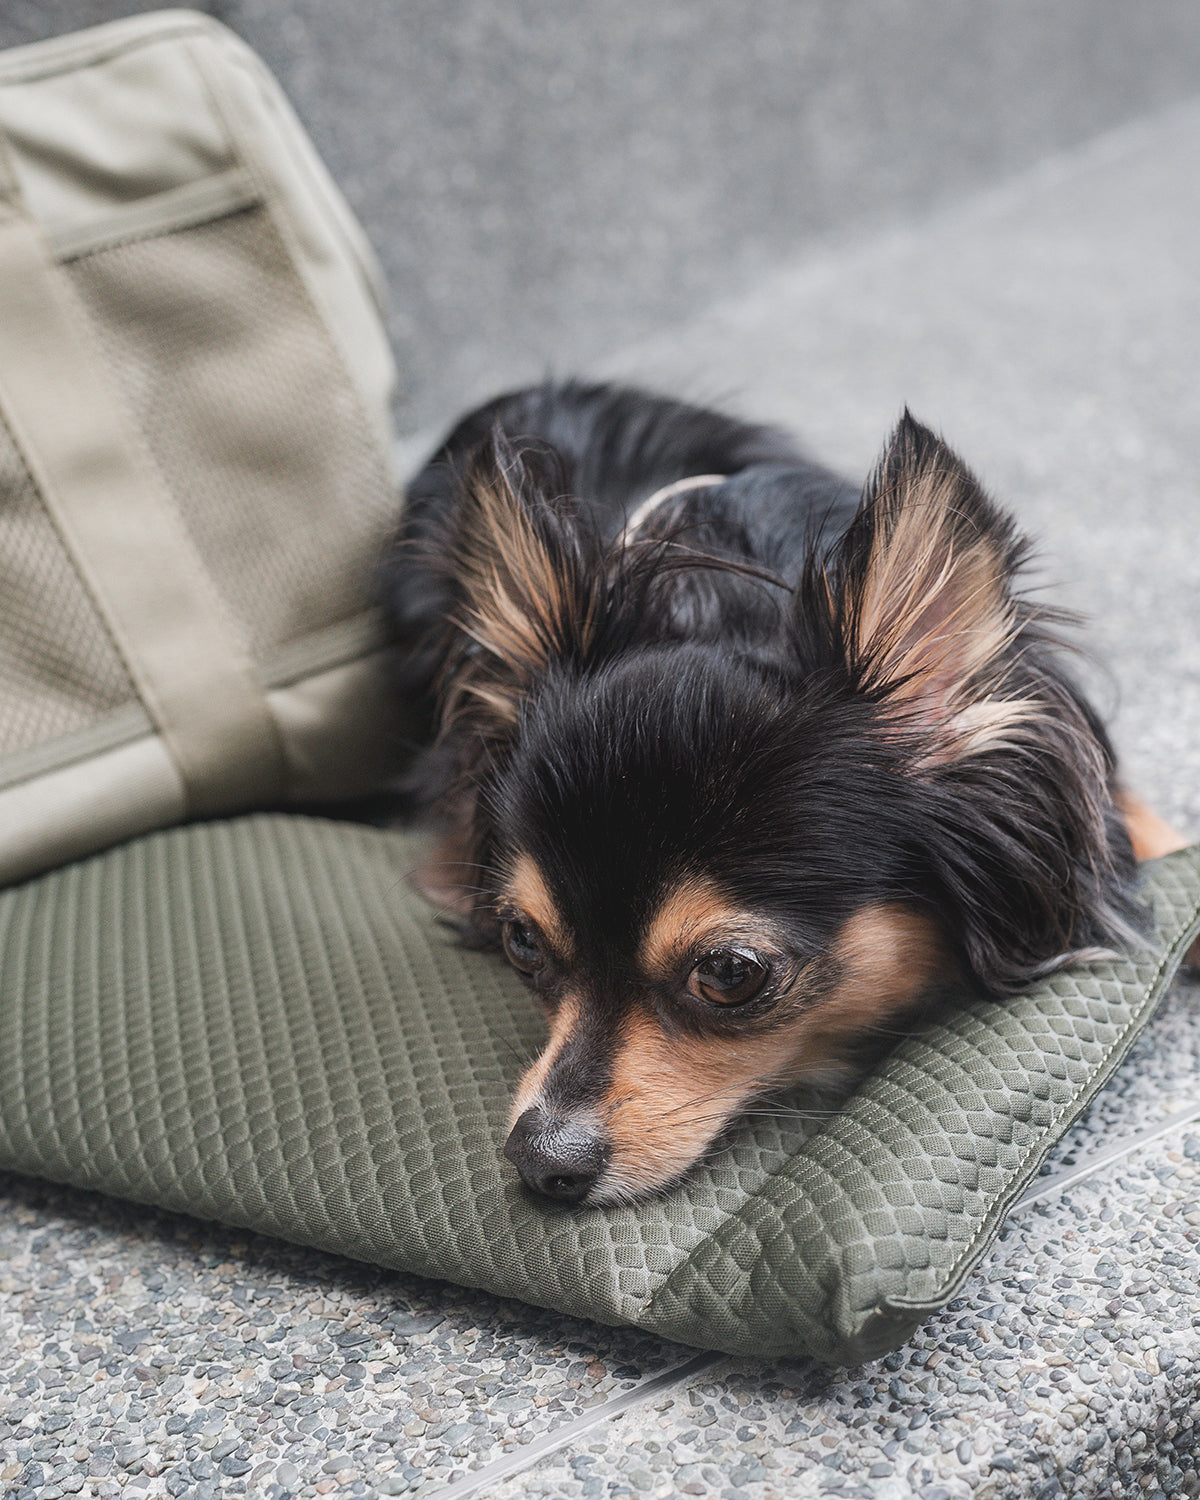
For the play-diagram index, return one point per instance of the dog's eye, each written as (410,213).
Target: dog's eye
(729,976)
(521,946)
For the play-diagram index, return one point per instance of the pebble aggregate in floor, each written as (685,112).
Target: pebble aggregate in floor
(148,1354)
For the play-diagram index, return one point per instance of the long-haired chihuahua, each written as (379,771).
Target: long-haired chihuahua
(737,766)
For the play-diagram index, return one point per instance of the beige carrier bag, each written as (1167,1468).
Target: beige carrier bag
(194,447)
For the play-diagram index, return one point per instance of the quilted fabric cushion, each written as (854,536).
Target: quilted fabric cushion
(254,1021)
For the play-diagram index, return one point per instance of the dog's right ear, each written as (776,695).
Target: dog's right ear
(525,571)
(920,593)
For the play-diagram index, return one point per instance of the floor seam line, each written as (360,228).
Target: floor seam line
(473,1484)
(1048,1187)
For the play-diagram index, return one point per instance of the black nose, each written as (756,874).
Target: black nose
(562,1159)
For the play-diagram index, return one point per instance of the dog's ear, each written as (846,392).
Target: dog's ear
(524,573)
(920,588)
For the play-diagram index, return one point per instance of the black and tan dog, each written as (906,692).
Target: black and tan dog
(737,766)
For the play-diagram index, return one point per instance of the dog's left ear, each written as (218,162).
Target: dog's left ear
(921,592)
(523,570)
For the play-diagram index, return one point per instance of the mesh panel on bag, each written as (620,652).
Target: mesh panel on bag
(251,418)
(59,669)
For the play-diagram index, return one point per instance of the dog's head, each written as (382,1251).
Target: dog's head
(722,855)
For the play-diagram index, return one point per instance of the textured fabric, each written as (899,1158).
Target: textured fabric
(196,468)
(59,669)
(113,516)
(251,419)
(255,1021)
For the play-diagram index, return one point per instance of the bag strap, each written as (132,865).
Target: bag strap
(117,521)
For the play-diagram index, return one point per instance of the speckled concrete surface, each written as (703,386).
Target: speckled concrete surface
(149,1354)
(1050,329)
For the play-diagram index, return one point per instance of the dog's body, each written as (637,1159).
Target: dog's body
(737,767)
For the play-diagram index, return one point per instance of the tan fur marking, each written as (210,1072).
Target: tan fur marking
(1150,835)
(511,583)
(528,891)
(889,956)
(672,1095)
(501,702)
(932,610)
(695,913)
(989,724)
(933,617)
(516,599)
(562,1023)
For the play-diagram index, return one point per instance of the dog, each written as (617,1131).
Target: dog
(737,766)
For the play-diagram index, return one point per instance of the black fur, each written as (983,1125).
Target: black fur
(836,712)
(714,713)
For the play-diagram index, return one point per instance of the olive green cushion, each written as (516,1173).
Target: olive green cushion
(255,1021)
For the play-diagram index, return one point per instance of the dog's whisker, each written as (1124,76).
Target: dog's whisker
(687,1107)
(785,1114)
(732,1118)
(522,1054)
(735,1090)
(462,864)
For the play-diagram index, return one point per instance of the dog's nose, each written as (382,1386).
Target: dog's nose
(561,1159)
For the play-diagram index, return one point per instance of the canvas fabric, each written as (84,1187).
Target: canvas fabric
(195,471)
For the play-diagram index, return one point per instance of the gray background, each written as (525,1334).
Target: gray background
(546,180)
(815,212)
